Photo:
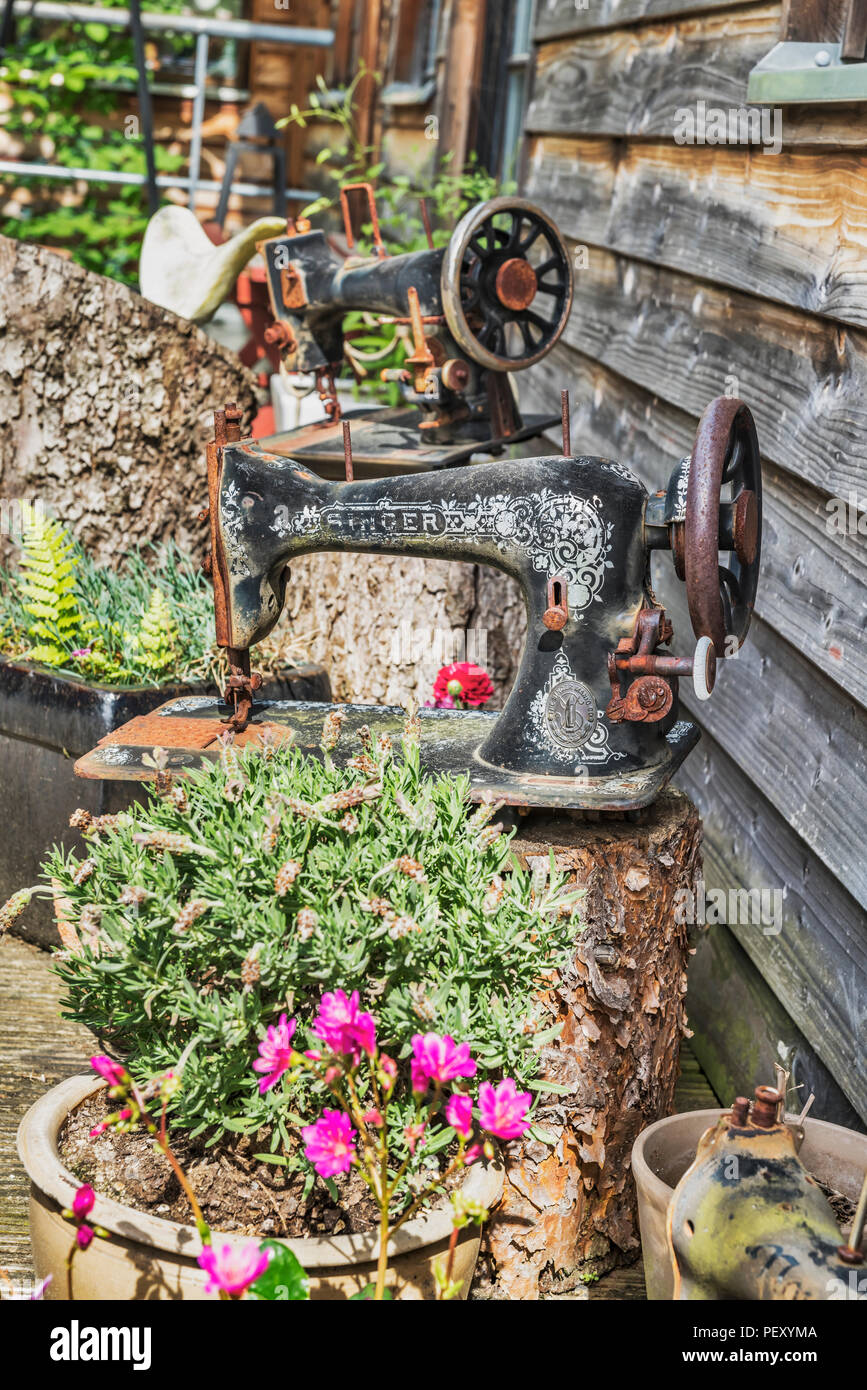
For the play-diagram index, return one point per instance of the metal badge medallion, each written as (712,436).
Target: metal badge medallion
(570,714)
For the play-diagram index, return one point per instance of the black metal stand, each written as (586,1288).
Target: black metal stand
(144,104)
(257,134)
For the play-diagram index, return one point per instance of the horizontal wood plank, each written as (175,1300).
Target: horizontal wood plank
(559,19)
(817,964)
(632,82)
(797,735)
(812,584)
(804,379)
(740,1028)
(791,229)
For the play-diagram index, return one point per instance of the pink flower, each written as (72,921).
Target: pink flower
(437,1058)
(275,1053)
(82,1202)
(110,1071)
(233,1268)
(473,1153)
(459,1113)
(84,1235)
(414,1134)
(387,1072)
(330,1143)
(342,1027)
(374,1118)
(503,1111)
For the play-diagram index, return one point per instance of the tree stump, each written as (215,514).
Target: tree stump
(569,1210)
(106,403)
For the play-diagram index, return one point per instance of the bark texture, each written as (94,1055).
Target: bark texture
(106,403)
(384,625)
(570,1209)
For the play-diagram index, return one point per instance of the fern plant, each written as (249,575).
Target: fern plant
(48,563)
(155,645)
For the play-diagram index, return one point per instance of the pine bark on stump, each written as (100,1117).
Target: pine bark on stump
(106,404)
(570,1209)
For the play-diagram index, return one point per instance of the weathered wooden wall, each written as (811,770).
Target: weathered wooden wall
(714,269)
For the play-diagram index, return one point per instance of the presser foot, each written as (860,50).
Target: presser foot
(240,690)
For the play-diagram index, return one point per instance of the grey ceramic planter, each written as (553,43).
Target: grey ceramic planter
(47,720)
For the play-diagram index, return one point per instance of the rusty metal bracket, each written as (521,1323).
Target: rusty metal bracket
(367,188)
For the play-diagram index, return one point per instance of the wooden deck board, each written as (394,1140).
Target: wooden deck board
(39,1049)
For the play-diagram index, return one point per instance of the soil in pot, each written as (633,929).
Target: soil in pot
(237,1192)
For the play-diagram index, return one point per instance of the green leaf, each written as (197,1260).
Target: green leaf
(544,1136)
(556,1088)
(365,1295)
(284,1281)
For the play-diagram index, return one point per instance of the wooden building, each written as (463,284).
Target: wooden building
(717,251)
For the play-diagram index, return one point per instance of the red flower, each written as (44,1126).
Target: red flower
(462,684)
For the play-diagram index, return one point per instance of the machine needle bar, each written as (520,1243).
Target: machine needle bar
(567,424)
(347,451)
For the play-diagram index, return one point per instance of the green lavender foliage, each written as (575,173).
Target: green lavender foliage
(162,995)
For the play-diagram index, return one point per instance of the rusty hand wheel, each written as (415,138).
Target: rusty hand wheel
(726,455)
(506,284)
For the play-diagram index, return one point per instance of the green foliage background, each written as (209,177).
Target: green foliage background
(51,75)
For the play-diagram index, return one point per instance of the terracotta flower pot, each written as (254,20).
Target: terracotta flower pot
(663,1152)
(148,1257)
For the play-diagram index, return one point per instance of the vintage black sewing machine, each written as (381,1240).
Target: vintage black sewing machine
(492,302)
(593,719)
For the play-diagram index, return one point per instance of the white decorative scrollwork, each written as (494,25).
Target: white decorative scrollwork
(594,749)
(564,535)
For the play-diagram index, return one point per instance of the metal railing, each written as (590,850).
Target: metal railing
(204,28)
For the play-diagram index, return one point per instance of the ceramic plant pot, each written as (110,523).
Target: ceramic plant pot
(663,1152)
(147,1257)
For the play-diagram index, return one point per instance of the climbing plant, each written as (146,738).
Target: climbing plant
(65,84)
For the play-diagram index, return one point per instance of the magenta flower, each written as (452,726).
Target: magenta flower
(503,1111)
(82,1202)
(275,1053)
(110,1071)
(84,1235)
(414,1135)
(342,1027)
(233,1268)
(440,1059)
(330,1143)
(459,1113)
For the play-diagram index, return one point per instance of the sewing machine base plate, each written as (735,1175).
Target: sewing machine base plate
(189,729)
(389,441)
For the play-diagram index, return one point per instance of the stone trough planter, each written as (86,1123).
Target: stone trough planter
(47,720)
(148,1257)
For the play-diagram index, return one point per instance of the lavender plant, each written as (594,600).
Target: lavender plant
(250,889)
